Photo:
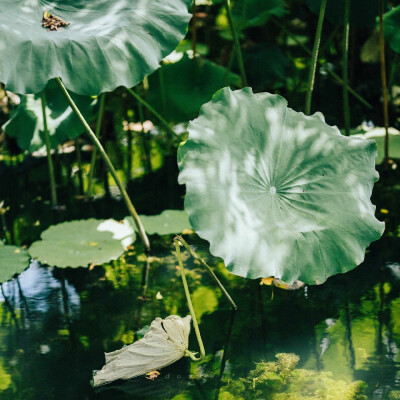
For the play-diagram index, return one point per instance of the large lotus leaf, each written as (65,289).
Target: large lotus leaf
(26,124)
(164,343)
(13,260)
(362,12)
(188,84)
(275,192)
(166,223)
(109,43)
(379,134)
(391,25)
(80,243)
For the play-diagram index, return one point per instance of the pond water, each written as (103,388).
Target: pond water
(55,324)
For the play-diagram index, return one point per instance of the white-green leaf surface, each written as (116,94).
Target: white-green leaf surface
(83,242)
(109,43)
(13,260)
(275,192)
(164,343)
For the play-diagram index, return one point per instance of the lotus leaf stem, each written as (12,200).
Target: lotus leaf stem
(330,72)
(384,84)
(152,110)
(190,305)
(110,166)
(314,57)
(94,153)
(346,34)
(236,42)
(208,269)
(50,164)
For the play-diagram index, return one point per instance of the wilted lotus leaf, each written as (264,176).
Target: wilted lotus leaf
(108,43)
(166,223)
(80,243)
(164,343)
(275,192)
(26,124)
(13,260)
(391,25)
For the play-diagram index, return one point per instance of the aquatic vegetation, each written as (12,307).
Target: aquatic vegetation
(264,183)
(391,28)
(13,260)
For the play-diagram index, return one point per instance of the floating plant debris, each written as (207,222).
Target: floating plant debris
(52,22)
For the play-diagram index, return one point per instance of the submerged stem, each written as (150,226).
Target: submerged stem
(110,166)
(314,57)
(346,32)
(208,269)
(94,153)
(236,42)
(48,153)
(190,305)
(384,84)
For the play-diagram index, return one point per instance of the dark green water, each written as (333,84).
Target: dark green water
(55,324)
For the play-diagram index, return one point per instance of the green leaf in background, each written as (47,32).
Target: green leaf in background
(379,134)
(391,26)
(362,12)
(167,223)
(275,192)
(108,43)
(188,84)
(26,124)
(13,260)
(80,243)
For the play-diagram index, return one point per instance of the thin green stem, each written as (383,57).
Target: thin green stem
(208,269)
(152,110)
(345,50)
(236,42)
(109,164)
(190,305)
(331,73)
(50,164)
(314,57)
(94,153)
(384,84)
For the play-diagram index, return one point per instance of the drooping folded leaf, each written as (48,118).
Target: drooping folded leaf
(391,26)
(275,192)
(108,43)
(13,260)
(26,124)
(80,243)
(164,343)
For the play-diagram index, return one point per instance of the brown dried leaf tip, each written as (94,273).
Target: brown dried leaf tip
(52,22)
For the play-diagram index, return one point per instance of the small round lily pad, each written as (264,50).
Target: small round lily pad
(83,242)
(13,260)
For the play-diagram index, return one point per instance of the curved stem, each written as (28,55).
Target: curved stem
(236,42)
(208,269)
(94,153)
(384,84)
(190,305)
(314,57)
(346,32)
(111,168)
(152,110)
(48,153)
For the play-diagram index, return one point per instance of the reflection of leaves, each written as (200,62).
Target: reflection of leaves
(188,84)
(391,24)
(264,182)
(26,124)
(13,260)
(79,243)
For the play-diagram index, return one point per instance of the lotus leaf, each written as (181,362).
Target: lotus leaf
(391,25)
(166,223)
(275,192)
(164,343)
(378,134)
(108,43)
(26,124)
(80,243)
(13,260)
